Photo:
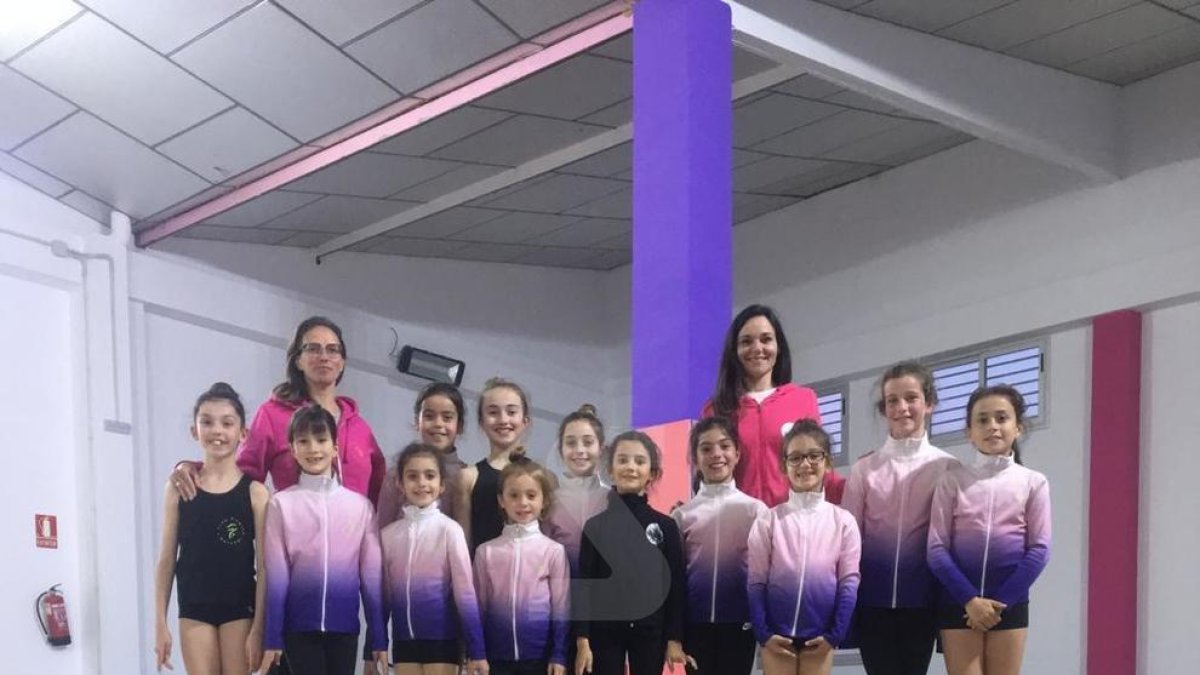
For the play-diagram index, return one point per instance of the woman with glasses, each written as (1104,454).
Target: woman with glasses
(316,362)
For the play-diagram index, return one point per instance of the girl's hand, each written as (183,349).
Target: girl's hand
(381,662)
(780,646)
(254,651)
(270,658)
(675,655)
(162,647)
(983,614)
(818,645)
(183,478)
(555,669)
(479,667)
(583,656)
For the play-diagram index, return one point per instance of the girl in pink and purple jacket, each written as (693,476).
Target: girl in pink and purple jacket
(989,539)
(803,560)
(523,579)
(580,494)
(321,553)
(715,526)
(427,575)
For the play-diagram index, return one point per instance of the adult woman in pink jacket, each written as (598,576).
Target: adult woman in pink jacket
(755,390)
(316,362)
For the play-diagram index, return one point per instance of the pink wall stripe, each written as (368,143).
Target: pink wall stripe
(1112,596)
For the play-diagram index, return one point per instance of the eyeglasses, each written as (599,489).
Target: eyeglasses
(811,458)
(315,349)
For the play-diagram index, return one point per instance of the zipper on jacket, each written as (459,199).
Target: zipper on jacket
(899,534)
(325,560)
(712,618)
(800,593)
(516,566)
(987,542)
(412,547)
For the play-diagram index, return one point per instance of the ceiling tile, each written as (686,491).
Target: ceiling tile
(1099,35)
(492,252)
(201,197)
(754,177)
(89,206)
(746,207)
(747,63)
(307,239)
(279,69)
(623,242)
(926,15)
(557,257)
(514,228)
(604,163)
(447,222)
(531,18)
(167,24)
(32,176)
(455,179)
(818,138)
(518,140)
(609,260)
(339,214)
(24,23)
(586,232)
(416,248)
(774,115)
(832,176)
(441,131)
(372,174)
(579,86)
(263,208)
(558,193)
(345,20)
(120,80)
(227,145)
(613,116)
(891,146)
(616,205)
(240,235)
(1144,58)
(853,99)
(26,108)
(844,4)
(620,47)
(809,86)
(1025,20)
(113,167)
(431,42)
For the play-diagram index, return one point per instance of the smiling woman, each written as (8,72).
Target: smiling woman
(316,362)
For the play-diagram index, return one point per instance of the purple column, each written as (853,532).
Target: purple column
(682,204)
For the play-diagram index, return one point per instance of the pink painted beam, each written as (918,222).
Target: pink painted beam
(514,64)
(1112,592)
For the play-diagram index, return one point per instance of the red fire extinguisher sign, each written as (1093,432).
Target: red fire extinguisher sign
(46,530)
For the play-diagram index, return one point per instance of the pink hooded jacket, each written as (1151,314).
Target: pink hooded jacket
(266,449)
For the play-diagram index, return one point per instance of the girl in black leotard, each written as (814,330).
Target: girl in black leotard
(504,418)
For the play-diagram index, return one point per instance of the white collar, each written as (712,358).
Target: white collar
(580,482)
(806,501)
(412,511)
(903,448)
(993,463)
(718,489)
(522,531)
(315,483)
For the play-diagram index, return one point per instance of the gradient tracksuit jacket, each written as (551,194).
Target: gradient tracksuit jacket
(321,552)
(803,576)
(715,526)
(430,589)
(990,531)
(575,501)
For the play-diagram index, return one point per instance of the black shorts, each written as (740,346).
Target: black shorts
(951,617)
(216,615)
(426,651)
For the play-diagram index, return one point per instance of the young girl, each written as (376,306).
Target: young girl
(504,417)
(715,526)
(889,493)
(427,572)
(212,542)
(438,416)
(580,494)
(803,555)
(321,551)
(631,590)
(989,539)
(523,579)
(754,390)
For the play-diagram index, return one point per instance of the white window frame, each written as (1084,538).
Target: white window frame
(980,355)
(841,387)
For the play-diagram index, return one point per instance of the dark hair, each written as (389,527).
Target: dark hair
(221,392)
(295,388)
(311,420)
(1014,397)
(708,424)
(447,390)
(585,413)
(729,375)
(414,450)
(635,436)
(805,427)
(908,369)
(520,465)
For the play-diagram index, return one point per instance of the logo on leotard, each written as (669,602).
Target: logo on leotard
(231,531)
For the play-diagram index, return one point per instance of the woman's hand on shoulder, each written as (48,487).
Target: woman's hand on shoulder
(184,479)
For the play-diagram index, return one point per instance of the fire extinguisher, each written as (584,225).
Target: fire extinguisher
(51,610)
